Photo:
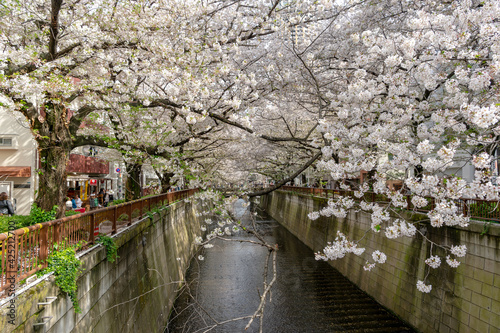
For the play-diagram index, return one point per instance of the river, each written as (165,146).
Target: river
(308,297)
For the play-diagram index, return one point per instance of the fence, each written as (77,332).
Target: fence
(24,251)
(473,208)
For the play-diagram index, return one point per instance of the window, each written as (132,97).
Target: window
(6,142)
(7,188)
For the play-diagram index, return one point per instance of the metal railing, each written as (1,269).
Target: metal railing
(25,251)
(474,208)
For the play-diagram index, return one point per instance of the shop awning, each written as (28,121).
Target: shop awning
(15,171)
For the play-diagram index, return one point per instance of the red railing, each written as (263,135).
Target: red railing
(24,251)
(473,208)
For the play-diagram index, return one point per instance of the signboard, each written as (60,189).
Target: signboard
(93,182)
(83,191)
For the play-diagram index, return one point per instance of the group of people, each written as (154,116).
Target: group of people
(102,199)
(175,189)
(6,207)
(74,203)
(96,200)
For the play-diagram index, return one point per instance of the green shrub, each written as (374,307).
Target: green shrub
(66,269)
(71,213)
(39,215)
(117,202)
(483,209)
(123,217)
(110,245)
(136,213)
(20,221)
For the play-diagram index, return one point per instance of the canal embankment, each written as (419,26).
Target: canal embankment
(133,294)
(463,299)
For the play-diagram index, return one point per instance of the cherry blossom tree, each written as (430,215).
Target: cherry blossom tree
(414,81)
(200,88)
(63,60)
(418,82)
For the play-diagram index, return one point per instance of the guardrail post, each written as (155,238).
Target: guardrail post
(44,246)
(129,210)
(57,232)
(114,221)
(92,228)
(142,206)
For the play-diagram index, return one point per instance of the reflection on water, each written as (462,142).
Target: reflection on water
(309,296)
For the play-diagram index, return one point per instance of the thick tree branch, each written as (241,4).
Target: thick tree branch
(54,28)
(286,180)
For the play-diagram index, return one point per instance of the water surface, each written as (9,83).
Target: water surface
(309,296)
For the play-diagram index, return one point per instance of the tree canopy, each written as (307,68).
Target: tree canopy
(209,90)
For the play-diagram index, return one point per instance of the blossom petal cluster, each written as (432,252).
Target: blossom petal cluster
(338,249)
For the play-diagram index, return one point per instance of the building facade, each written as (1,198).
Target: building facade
(18,161)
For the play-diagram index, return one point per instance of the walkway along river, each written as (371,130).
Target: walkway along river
(308,297)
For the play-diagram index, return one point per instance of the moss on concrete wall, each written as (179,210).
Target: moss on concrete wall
(466,299)
(133,294)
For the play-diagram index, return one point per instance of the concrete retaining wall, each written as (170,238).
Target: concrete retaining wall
(464,299)
(133,294)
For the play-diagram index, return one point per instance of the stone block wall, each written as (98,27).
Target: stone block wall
(133,294)
(463,299)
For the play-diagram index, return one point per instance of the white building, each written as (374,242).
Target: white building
(18,161)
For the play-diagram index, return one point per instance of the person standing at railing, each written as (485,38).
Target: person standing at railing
(78,201)
(92,201)
(105,199)
(69,204)
(6,207)
(101,197)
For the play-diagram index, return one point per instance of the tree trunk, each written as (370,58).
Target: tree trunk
(165,181)
(54,146)
(52,180)
(133,185)
(371,179)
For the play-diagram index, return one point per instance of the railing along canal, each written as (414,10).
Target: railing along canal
(473,208)
(25,251)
